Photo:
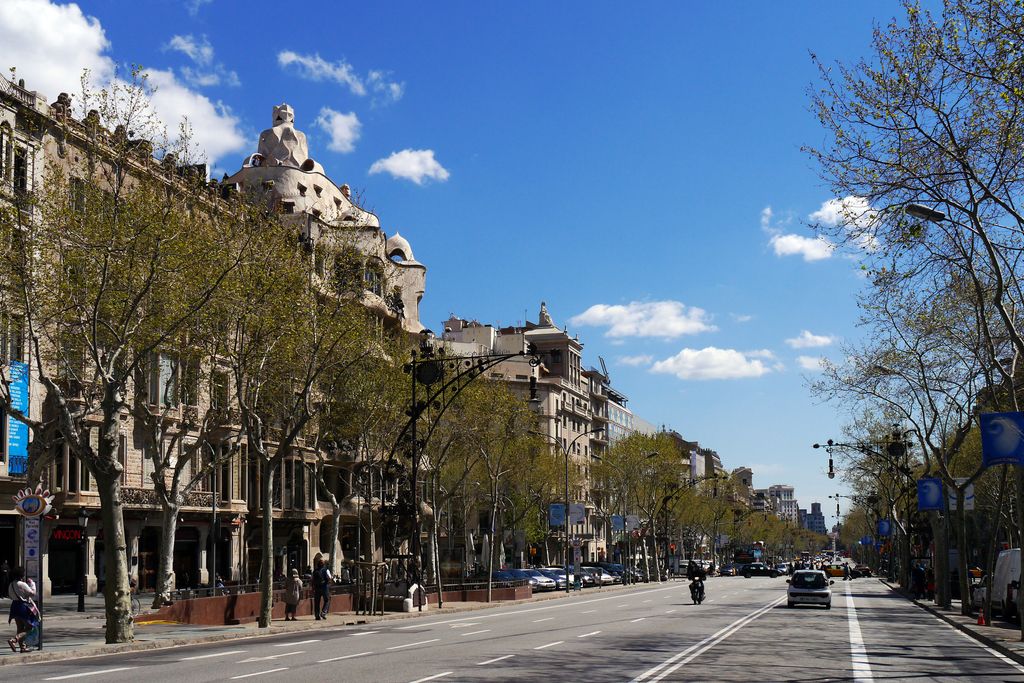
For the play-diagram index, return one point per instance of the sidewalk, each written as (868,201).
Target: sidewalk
(1002,636)
(69,634)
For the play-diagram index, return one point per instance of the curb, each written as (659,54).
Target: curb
(980,637)
(348,619)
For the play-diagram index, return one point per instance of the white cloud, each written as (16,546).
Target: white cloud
(807,340)
(192,6)
(666,319)
(812,363)
(316,68)
(416,165)
(852,213)
(215,130)
(51,44)
(198,50)
(636,360)
(385,90)
(741,317)
(811,248)
(713,363)
(343,129)
(791,244)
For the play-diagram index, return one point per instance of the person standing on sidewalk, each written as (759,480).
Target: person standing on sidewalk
(292,593)
(321,590)
(23,612)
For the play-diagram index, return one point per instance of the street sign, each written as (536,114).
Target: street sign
(556,514)
(1002,439)
(618,523)
(577,513)
(929,494)
(632,522)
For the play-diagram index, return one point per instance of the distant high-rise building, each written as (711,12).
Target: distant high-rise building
(816,519)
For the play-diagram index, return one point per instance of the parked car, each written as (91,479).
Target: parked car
(758,569)
(538,581)
(1006,572)
(615,570)
(503,575)
(836,570)
(782,568)
(861,570)
(599,576)
(727,570)
(809,587)
(556,575)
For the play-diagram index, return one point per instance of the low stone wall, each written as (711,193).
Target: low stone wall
(480,594)
(241,608)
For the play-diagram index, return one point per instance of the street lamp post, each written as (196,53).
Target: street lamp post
(83,520)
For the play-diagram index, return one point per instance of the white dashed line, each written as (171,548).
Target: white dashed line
(430,678)
(542,647)
(419,642)
(338,659)
(88,673)
(473,633)
(537,621)
(492,661)
(259,673)
(633,621)
(214,654)
(587,635)
(301,642)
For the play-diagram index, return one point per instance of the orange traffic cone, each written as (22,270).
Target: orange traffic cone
(981,616)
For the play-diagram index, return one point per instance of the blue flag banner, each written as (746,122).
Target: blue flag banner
(929,494)
(1002,439)
(867,540)
(556,514)
(884,527)
(618,523)
(17,432)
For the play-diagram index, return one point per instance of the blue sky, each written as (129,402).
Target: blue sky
(638,170)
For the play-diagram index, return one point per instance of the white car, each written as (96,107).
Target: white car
(809,587)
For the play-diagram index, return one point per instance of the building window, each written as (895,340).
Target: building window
(163,381)
(373,279)
(22,179)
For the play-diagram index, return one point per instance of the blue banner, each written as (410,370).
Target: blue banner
(1002,439)
(929,494)
(17,432)
(618,523)
(866,540)
(556,514)
(884,527)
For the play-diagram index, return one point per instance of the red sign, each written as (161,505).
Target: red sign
(67,533)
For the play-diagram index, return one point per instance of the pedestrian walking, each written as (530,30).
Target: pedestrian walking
(292,593)
(917,581)
(321,590)
(24,612)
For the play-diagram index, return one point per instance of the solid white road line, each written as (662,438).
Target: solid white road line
(419,642)
(492,661)
(677,660)
(215,654)
(633,621)
(363,633)
(430,678)
(537,621)
(625,605)
(301,642)
(589,611)
(542,647)
(473,633)
(338,659)
(986,648)
(466,625)
(261,659)
(858,653)
(88,673)
(587,635)
(259,673)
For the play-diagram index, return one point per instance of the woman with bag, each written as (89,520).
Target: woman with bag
(24,612)
(292,592)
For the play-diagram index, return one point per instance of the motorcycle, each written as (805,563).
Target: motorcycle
(697,591)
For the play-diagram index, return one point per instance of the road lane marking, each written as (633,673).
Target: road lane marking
(669,611)
(338,659)
(473,633)
(259,673)
(215,654)
(537,621)
(647,601)
(542,647)
(589,611)
(680,658)
(636,620)
(301,642)
(260,659)
(88,673)
(625,605)
(587,635)
(994,653)
(363,633)
(492,661)
(466,625)
(430,678)
(858,653)
(419,642)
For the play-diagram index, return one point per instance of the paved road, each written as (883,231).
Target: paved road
(743,632)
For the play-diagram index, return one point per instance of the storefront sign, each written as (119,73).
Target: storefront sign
(73,534)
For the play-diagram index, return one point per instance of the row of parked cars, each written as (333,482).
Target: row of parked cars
(554,578)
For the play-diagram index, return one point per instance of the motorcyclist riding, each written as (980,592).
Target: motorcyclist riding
(696,574)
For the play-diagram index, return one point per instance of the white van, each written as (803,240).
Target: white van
(1006,583)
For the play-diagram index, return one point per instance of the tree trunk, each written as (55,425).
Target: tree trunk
(1020,529)
(993,545)
(267,549)
(117,593)
(492,544)
(435,544)
(165,570)
(647,564)
(961,544)
(335,532)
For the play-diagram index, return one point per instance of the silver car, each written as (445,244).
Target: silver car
(809,587)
